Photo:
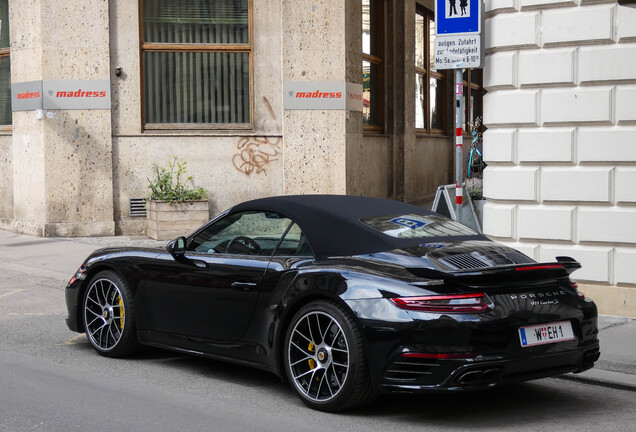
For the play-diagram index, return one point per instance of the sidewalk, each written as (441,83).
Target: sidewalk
(58,258)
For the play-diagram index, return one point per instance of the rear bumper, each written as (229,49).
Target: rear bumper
(423,375)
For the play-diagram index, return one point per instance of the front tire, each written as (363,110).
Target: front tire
(325,358)
(109,315)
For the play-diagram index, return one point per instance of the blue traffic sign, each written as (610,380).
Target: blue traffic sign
(457,16)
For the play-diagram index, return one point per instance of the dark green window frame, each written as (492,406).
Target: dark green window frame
(197,62)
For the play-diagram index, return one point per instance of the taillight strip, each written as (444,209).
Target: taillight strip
(540,267)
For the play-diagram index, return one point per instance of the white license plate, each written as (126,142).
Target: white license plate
(546,333)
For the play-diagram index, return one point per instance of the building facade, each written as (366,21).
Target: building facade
(204,81)
(561,138)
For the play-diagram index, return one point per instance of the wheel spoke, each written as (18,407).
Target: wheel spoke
(98,329)
(320,382)
(335,338)
(304,351)
(310,371)
(311,334)
(297,332)
(335,375)
(110,330)
(301,360)
(96,292)
(110,295)
(91,299)
(99,317)
(94,313)
(324,334)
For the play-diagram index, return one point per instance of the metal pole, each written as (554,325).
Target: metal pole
(459,144)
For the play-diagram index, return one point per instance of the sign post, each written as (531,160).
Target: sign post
(459,46)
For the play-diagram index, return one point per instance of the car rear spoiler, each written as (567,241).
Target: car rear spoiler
(563,267)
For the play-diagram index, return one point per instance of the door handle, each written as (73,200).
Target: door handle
(243,286)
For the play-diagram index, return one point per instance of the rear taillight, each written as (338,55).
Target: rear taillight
(575,287)
(455,303)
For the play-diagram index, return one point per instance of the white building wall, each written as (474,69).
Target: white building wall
(561,138)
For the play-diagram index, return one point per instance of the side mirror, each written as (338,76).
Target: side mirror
(177,248)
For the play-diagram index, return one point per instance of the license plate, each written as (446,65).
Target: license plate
(546,333)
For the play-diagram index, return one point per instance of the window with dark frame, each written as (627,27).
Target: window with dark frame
(197,62)
(372,64)
(473,96)
(5,67)
(431,85)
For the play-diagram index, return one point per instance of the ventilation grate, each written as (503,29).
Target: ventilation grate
(462,262)
(138,207)
(476,260)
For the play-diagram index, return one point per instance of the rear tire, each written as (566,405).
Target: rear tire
(109,315)
(325,358)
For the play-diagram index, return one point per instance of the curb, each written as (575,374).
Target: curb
(603,378)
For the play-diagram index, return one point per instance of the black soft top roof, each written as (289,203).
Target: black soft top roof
(332,222)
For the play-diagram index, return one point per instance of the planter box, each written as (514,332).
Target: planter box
(167,221)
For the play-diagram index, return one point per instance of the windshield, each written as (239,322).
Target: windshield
(417,226)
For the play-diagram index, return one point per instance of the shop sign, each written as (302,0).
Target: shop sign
(322,95)
(26,96)
(76,94)
(60,94)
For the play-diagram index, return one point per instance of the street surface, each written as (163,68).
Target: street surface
(52,380)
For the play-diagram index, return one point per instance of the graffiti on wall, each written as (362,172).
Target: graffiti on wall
(255,153)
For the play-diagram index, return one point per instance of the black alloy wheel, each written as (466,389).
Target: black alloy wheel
(109,316)
(325,358)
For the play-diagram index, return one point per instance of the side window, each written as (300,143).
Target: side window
(249,233)
(294,244)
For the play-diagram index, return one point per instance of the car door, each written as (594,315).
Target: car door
(209,295)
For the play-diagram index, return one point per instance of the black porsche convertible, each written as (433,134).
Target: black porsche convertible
(345,297)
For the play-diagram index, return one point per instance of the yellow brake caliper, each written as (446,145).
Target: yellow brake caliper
(121,313)
(312,362)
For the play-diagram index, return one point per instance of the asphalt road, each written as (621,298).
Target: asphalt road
(52,380)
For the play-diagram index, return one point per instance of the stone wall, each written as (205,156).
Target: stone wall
(561,143)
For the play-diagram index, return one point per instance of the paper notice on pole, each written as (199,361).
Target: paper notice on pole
(458,51)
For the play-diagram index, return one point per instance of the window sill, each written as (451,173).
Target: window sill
(426,134)
(201,133)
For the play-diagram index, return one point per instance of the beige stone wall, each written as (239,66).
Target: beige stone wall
(215,163)
(316,141)
(6,180)
(74,174)
(222,162)
(62,165)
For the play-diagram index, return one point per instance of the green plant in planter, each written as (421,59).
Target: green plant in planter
(170,186)
(476,193)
